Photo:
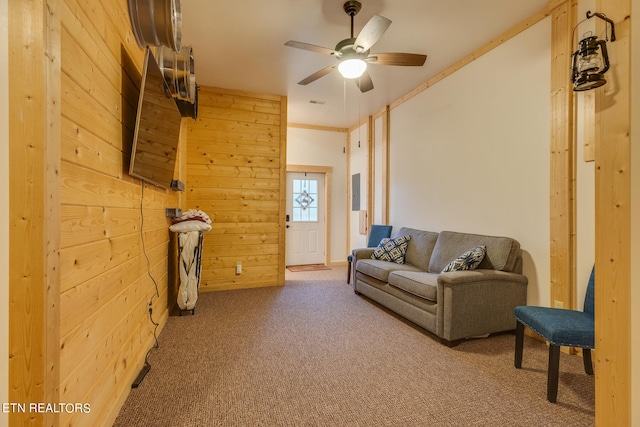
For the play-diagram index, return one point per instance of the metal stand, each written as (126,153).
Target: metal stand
(198,260)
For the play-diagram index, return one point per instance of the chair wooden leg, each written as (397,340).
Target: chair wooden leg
(586,358)
(349,273)
(519,344)
(552,375)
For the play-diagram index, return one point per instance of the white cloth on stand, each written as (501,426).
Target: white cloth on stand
(184,226)
(189,277)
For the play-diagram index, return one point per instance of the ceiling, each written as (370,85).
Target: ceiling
(240,45)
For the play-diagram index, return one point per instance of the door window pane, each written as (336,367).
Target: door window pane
(305,200)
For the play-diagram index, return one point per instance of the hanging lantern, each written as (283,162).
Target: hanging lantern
(590,61)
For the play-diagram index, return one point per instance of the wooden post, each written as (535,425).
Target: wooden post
(348,204)
(283,192)
(370,172)
(34,207)
(385,165)
(562,168)
(613,225)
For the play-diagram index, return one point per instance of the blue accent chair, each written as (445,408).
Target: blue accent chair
(559,327)
(376,234)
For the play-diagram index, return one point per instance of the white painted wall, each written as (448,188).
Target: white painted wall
(359,163)
(325,148)
(585,213)
(471,153)
(4,212)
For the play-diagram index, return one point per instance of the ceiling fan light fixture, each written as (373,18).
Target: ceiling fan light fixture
(352,68)
(353,53)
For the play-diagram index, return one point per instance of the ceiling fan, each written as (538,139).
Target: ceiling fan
(353,54)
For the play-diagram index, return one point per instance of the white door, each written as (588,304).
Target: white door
(305,218)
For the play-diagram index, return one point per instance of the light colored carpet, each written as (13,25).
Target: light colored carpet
(312,353)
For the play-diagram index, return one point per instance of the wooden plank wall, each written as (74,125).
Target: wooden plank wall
(236,174)
(104,327)
(34,143)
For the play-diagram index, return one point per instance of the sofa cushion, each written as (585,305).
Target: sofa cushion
(419,248)
(468,260)
(392,250)
(502,252)
(419,283)
(380,269)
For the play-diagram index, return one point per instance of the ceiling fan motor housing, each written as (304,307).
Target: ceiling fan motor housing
(352,7)
(345,50)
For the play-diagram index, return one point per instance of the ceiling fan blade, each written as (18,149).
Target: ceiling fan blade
(315,76)
(397,58)
(364,82)
(310,47)
(371,33)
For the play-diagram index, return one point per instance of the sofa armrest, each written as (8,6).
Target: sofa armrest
(356,254)
(478,302)
(362,253)
(470,276)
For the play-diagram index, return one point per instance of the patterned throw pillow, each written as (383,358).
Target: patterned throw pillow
(392,250)
(468,260)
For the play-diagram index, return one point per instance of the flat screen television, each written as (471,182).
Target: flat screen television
(157,130)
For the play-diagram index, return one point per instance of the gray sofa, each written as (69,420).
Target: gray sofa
(454,305)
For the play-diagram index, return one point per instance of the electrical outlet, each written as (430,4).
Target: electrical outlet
(238,267)
(172,212)
(558,304)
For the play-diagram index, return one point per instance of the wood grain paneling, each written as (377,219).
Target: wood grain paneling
(385,165)
(34,151)
(109,222)
(79,287)
(562,160)
(370,173)
(613,226)
(236,175)
(316,127)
